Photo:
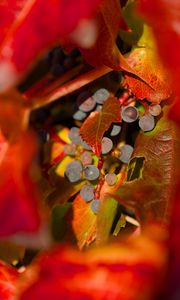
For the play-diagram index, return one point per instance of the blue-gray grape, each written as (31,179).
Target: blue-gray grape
(73,171)
(155,109)
(86,158)
(85,145)
(86,102)
(129,114)
(126,153)
(147,122)
(107,145)
(70,149)
(101,95)
(116,129)
(91,172)
(79,115)
(74,135)
(95,206)
(87,192)
(111,179)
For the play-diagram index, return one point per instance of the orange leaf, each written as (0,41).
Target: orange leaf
(145,62)
(97,123)
(130,271)
(8,278)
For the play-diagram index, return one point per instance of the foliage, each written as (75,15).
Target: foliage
(120,238)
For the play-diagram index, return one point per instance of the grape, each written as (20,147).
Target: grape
(95,205)
(155,109)
(101,95)
(79,115)
(91,172)
(85,145)
(86,158)
(98,108)
(87,192)
(107,145)
(111,178)
(86,103)
(126,152)
(147,123)
(129,114)
(73,171)
(70,149)
(115,130)
(74,135)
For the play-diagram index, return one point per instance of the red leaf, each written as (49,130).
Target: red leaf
(150,193)
(164,19)
(8,278)
(18,194)
(97,123)
(130,271)
(105,51)
(26,39)
(144,60)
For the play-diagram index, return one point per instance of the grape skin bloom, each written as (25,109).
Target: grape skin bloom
(116,129)
(91,172)
(129,114)
(126,153)
(73,171)
(87,192)
(106,145)
(147,122)
(74,135)
(111,179)
(95,206)
(86,102)
(101,95)
(155,110)
(86,158)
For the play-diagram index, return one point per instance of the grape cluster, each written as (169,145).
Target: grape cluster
(85,164)
(146,122)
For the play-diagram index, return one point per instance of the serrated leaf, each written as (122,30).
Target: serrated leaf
(98,123)
(105,219)
(82,223)
(144,60)
(150,195)
(26,26)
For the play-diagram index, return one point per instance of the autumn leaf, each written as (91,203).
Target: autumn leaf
(164,19)
(58,19)
(19,199)
(149,187)
(8,279)
(98,123)
(105,51)
(144,60)
(119,271)
(81,223)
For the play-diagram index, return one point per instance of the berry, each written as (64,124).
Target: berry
(155,109)
(129,114)
(126,152)
(147,123)
(101,95)
(86,103)
(87,192)
(107,145)
(111,179)
(79,115)
(95,206)
(70,149)
(115,130)
(91,172)
(86,158)
(74,135)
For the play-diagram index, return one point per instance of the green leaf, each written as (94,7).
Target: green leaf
(58,223)
(105,219)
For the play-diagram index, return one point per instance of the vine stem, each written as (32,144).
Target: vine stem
(69,87)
